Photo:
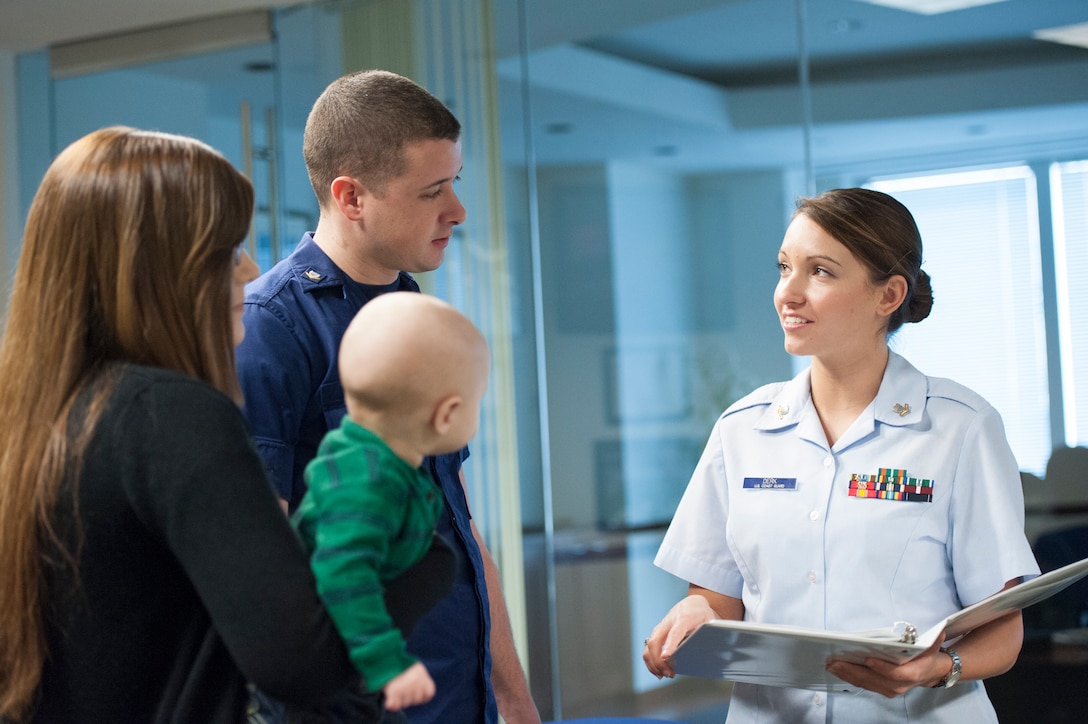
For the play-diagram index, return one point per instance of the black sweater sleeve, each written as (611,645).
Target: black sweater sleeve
(205,493)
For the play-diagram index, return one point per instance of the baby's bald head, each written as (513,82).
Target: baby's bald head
(403,354)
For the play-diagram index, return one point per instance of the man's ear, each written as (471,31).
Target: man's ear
(347,194)
(444,411)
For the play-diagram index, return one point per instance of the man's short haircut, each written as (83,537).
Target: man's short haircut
(360,125)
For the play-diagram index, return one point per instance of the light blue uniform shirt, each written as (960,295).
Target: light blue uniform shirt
(807,553)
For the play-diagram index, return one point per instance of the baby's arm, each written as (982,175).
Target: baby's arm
(411,687)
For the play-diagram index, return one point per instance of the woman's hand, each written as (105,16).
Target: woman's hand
(989,650)
(690,613)
(891,680)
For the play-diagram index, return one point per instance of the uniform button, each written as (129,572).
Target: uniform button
(828,461)
(812,576)
(814,515)
(816,700)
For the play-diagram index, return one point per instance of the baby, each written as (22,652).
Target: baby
(413,370)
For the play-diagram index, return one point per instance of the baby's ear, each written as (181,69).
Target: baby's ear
(444,412)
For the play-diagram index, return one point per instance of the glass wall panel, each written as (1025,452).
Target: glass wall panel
(655,205)
(223,97)
(1070,194)
(658,148)
(249,99)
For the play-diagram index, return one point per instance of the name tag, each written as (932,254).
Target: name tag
(771,483)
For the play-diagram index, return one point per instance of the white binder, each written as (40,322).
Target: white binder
(778,655)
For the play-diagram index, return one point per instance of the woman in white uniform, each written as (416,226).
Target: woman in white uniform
(819,549)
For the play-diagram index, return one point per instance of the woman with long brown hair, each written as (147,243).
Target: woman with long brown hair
(146,571)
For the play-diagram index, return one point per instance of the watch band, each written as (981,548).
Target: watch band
(953,674)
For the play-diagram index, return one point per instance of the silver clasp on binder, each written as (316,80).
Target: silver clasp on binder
(909,634)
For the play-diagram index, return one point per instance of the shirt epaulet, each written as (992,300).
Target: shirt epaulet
(759,397)
(951,390)
(311,278)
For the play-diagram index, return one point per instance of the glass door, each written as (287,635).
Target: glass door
(248,97)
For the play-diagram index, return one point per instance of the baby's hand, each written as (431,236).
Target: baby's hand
(413,686)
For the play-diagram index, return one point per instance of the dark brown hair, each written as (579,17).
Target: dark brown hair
(881,233)
(127,257)
(360,124)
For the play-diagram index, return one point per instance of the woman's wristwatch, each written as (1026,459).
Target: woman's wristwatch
(953,674)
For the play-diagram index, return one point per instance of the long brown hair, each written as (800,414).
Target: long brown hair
(126,259)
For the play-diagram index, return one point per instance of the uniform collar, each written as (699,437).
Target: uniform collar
(788,405)
(313,268)
(900,401)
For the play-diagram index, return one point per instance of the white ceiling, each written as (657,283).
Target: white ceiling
(695,33)
(681,79)
(36,24)
(693,81)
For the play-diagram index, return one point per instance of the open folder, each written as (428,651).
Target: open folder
(778,655)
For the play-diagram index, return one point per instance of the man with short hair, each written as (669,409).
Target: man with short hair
(382,154)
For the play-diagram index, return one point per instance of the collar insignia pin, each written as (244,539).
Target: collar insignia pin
(902,409)
(782,411)
(312,275)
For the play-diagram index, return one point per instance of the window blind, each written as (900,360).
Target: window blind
(980,236)
(1069,189)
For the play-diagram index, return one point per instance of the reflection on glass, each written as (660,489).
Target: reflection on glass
(660,147)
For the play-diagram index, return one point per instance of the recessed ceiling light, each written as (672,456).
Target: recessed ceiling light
(930,7)
(1069,35)
(840,26)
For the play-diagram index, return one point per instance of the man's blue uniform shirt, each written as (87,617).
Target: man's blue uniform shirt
(295,316)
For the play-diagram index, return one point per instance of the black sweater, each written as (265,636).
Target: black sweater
(190,578)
